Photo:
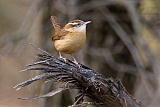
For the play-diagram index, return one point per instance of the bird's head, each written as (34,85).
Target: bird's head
(76,26)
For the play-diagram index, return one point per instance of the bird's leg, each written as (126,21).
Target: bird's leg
(75,61)
(60,56)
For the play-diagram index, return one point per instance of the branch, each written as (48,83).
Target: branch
(108,92)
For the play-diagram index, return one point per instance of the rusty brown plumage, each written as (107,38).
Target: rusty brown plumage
(56,24)
(59,33)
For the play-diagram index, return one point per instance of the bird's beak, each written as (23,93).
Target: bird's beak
(87,22)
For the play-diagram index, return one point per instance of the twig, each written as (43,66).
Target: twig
(89,83)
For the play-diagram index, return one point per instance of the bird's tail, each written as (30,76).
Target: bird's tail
(55,23)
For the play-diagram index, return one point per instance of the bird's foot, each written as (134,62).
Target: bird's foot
(79,65)
(60,56)
(64,59)
(75,61)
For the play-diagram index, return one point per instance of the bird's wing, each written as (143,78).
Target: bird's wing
(56,24)
(59,35)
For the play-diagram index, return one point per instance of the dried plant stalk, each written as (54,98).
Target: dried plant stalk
(108,92)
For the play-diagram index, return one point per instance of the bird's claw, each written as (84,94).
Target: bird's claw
(79,65)
(64,59)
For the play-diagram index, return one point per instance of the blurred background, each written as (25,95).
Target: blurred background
(122,42)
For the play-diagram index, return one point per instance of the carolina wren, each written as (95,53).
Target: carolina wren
(71,38)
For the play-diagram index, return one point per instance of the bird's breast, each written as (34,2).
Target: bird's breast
(71,43)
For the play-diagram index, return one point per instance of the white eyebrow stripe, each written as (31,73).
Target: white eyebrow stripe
(73,23)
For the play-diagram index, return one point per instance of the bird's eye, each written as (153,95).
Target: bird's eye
(78,24)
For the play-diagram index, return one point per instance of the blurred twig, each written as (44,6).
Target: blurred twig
(21,34)
(124,37)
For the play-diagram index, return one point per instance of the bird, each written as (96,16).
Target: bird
(69,39)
